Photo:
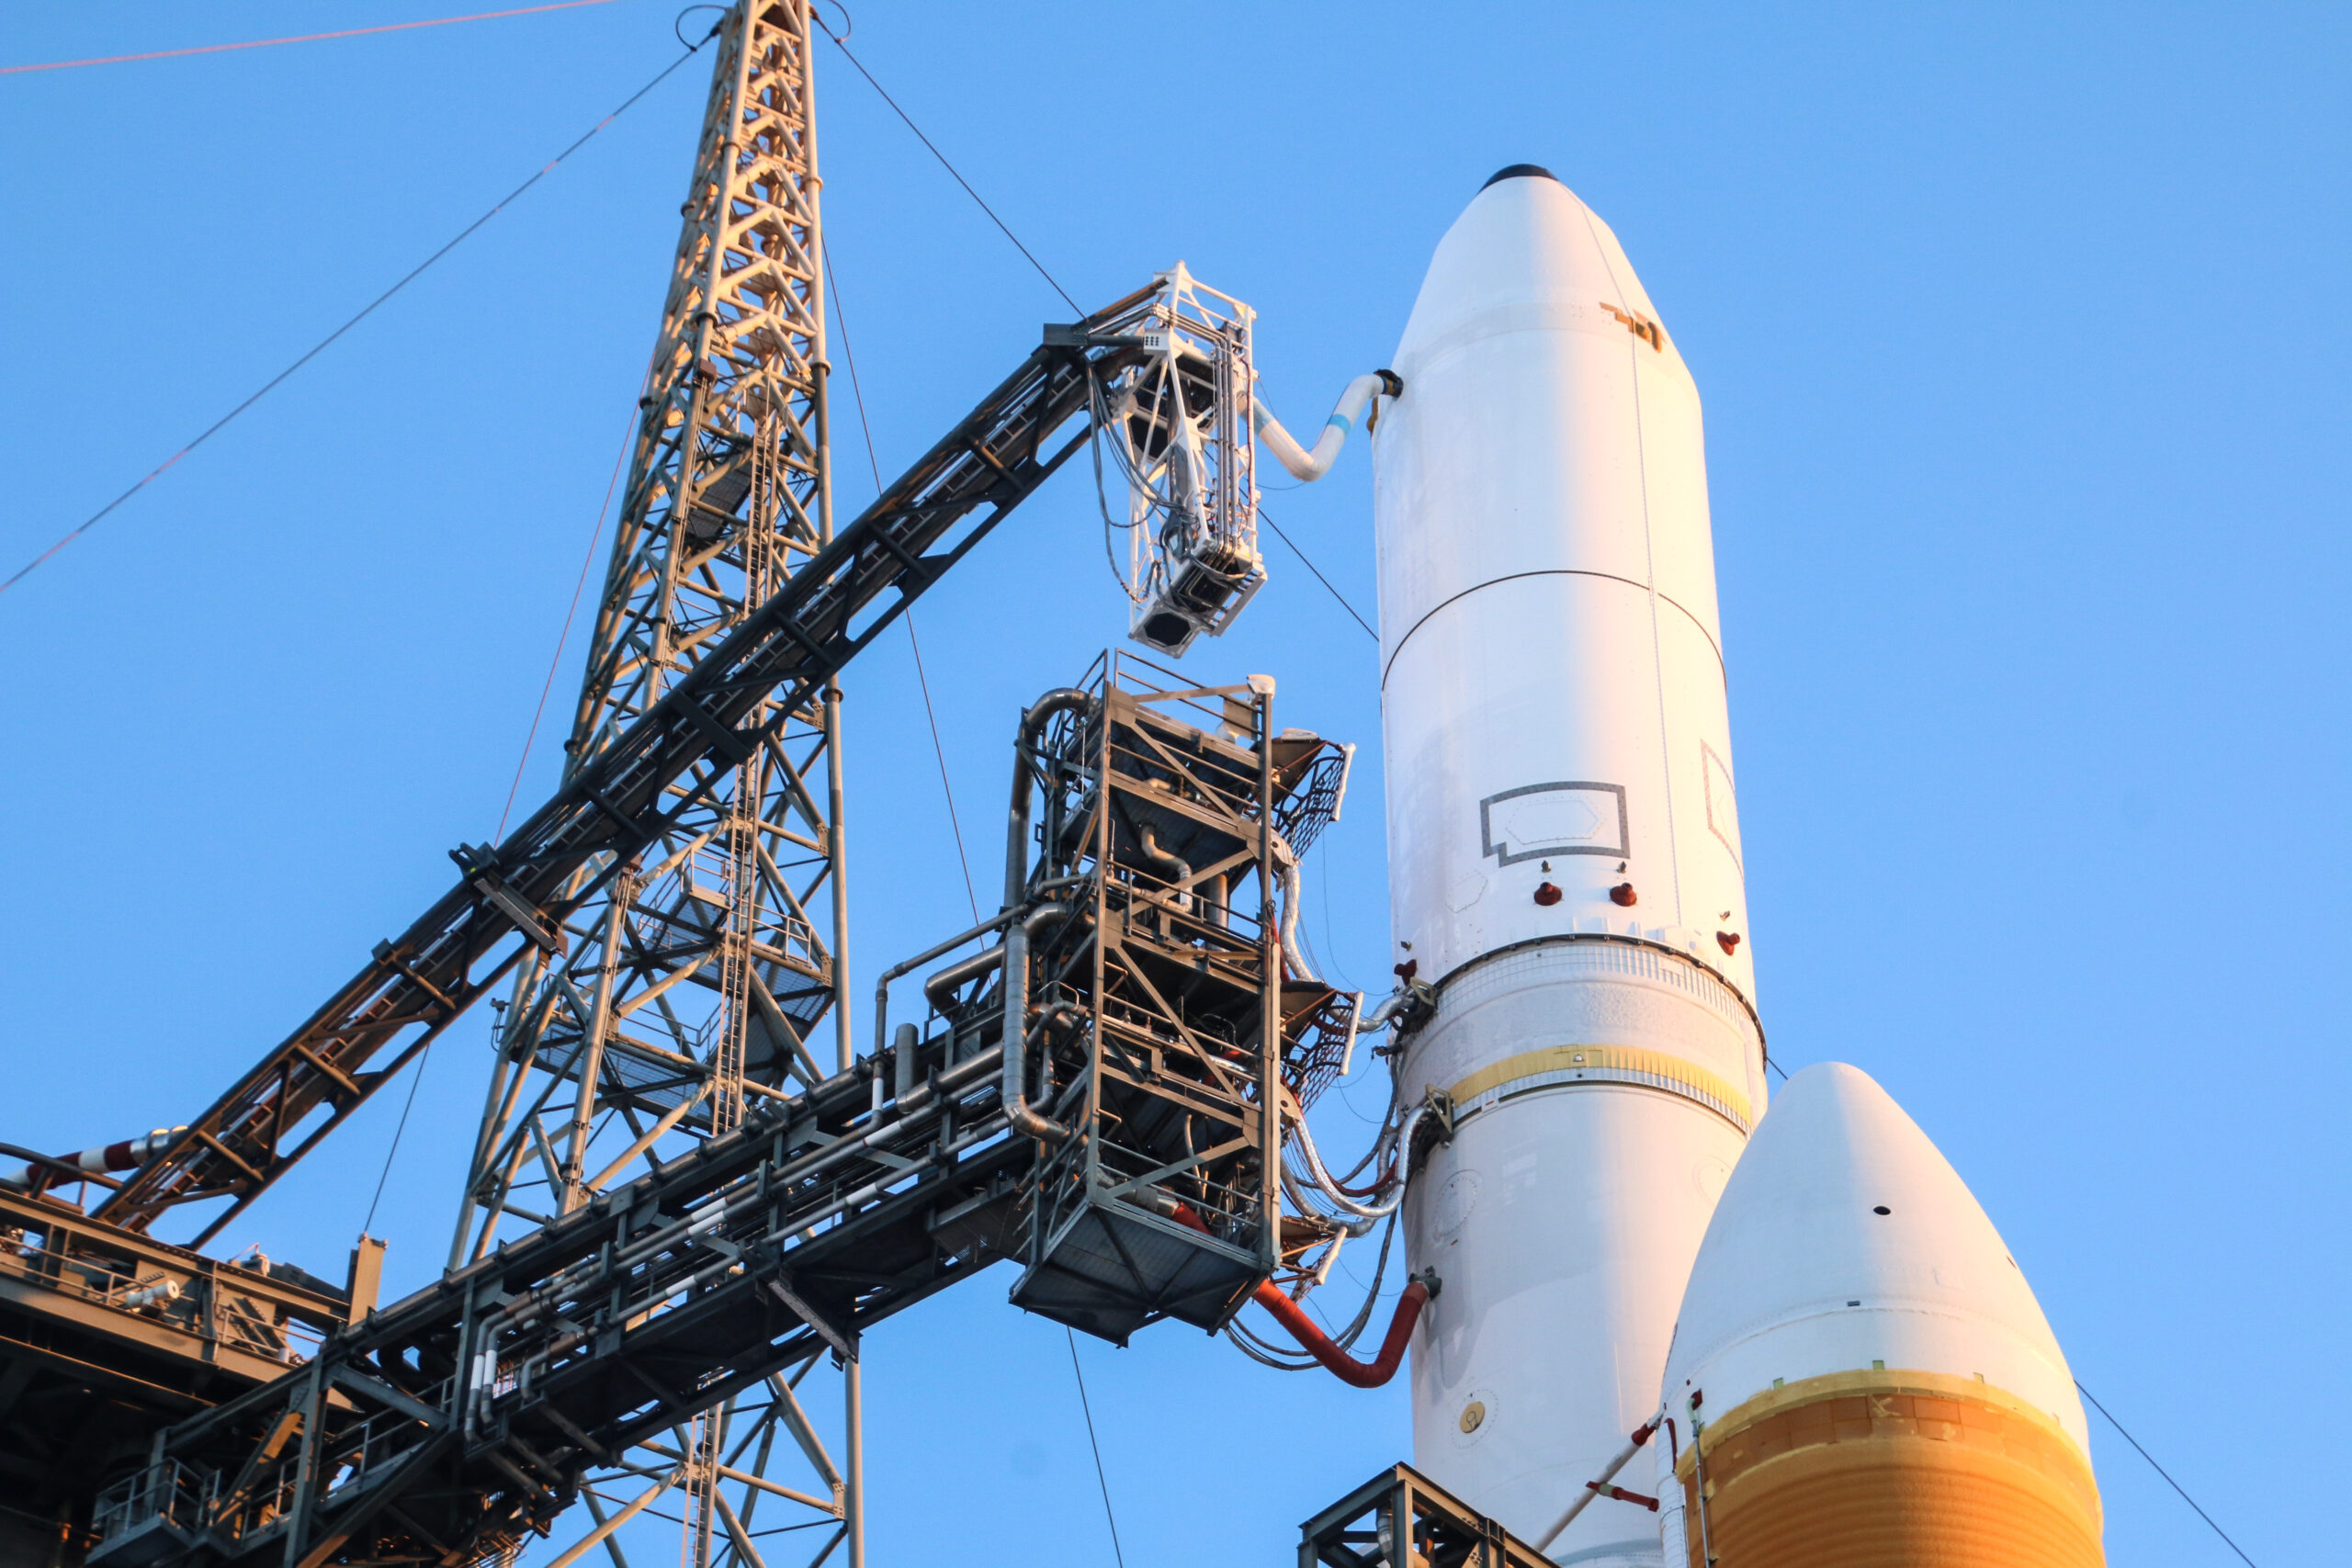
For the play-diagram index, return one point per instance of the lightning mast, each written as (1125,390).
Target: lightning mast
(697,981)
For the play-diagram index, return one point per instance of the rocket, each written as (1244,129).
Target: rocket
(1564,851)
(1857,1372)
(1862,1374)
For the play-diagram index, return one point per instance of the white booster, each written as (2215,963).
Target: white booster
(1564,851)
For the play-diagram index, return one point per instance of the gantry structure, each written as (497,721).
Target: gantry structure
(694,972)
(690,1195)
(662,1328)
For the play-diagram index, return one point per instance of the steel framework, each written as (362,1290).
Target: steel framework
(717,1212)
(618,1321)
(106,1336)
(730,705)
(1401,1516)
(671,922)
(692,980)
(1165,1004)
(690,975)
(449,1427)
(452,1427)
(1178,426)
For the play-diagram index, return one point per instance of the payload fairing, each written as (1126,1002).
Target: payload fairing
(1871,1381)
(1567,877)
(1564,848)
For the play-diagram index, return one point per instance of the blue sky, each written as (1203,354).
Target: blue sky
(2022,337)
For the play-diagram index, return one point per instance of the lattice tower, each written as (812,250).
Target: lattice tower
(697,984)
(700,979)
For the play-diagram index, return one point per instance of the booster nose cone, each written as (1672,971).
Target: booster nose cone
(1551,659)
(1875,1382)
(1524,240)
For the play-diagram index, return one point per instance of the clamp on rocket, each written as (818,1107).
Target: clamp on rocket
(1566,874)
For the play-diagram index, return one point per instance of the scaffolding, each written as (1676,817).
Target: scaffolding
(1165,1016)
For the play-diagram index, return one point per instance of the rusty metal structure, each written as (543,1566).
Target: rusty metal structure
(1170,1021)
(446,1428)
(108,1336)
(1402,1517)
(692,975)
(693,979)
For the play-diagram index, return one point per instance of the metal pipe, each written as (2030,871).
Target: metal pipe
(129,1153)
(844,1043)
(714,1212)
(1063,699)
(636,1505)
(1182,868)
(902,1061)
(591,1065)
(69,1171)
(882,987)
(647,1139)
(854,1458)
(916,1110)
(1292,900)
(1598,1486)
(936,988)
(1013,1089)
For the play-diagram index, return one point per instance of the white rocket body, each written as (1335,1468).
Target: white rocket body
(1555,728)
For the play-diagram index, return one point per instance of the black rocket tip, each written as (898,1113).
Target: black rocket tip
(1520,172)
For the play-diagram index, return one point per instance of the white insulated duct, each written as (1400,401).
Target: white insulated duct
(1311,466)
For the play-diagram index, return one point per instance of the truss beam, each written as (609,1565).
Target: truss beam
(638,789)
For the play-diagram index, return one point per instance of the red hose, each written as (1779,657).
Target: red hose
(1317,1344)
(1347,1369)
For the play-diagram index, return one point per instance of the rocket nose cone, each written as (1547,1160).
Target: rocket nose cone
(1843,1239)
(1859,1339)
(1840,1198)
(1525,253)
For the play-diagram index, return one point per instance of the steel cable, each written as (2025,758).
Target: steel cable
(1091,1442)
(1317,570)
(944,164)
(304,38)
(364,313)
(2160,1470)
(922,679)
